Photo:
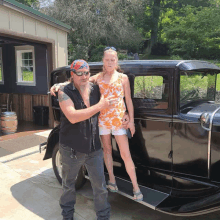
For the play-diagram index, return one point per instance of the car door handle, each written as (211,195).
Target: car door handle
(170,155)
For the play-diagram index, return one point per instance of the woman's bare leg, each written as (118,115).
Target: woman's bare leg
(123,144)
(107,149)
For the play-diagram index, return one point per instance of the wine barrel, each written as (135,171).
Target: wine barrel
(9,122)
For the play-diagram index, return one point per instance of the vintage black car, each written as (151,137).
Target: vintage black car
(176,147)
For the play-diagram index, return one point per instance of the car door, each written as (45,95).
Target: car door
(150,146)
(190,140)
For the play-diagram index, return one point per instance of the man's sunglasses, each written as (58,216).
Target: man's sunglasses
(108,48)
(86,73)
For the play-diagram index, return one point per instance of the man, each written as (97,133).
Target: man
(79,139)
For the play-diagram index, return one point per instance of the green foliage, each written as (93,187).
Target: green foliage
(190,28)
(98,23)
(195,35)
(153,57)
(0,74)
(193,82)
(96,53)
(28,76)
(143,85)
(160,49)
(197,86)
(175,57)
(218,82)
(30,3)
(77,52)
(122,56)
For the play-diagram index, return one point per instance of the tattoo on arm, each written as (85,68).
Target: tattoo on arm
(62,88)
(62,96)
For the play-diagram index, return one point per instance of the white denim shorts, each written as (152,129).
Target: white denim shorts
(104,131)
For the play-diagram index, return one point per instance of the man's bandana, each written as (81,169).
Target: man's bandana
(79,64)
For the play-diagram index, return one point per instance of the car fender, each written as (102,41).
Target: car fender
(53,138)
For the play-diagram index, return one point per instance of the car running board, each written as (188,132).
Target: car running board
(152,198)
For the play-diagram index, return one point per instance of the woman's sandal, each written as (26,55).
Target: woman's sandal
(138,196)
(112,187)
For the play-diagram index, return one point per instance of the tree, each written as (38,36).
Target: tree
(98,22)
(197,34)
(154,24)
(160,14)
(30,3)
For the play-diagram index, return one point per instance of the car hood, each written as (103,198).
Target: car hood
(195,112)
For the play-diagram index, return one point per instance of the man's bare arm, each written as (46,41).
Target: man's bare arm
(56,87)
(62,96)
(73,115)
(93,79)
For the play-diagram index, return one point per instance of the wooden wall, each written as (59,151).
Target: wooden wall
(9,70)
(23,104)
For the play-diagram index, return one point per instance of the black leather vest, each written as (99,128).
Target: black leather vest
(82,136)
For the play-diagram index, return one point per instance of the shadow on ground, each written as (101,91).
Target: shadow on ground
(40,194)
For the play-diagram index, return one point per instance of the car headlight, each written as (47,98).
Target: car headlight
(204,117)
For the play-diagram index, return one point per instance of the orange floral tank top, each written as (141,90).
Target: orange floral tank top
(111,118)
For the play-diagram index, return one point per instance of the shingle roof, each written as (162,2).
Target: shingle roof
(38,15)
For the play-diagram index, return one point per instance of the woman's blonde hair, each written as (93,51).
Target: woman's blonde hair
(118,68)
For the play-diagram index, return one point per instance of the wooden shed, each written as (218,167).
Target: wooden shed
(31,46)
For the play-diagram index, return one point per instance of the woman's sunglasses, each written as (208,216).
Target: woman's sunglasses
(86,73)
(108,48)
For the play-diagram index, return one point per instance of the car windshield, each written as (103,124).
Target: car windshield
(195,86)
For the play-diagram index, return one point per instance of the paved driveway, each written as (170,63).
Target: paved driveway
(29,190)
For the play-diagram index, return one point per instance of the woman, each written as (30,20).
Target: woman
(113,83)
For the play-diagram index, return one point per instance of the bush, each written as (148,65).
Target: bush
(122,56)
(77,52)
(160,49)
(208,53)
(175,57)
(96,53)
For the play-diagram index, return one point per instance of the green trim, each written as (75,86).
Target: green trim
(35,12)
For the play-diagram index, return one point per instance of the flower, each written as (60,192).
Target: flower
(107,124)
(116,122)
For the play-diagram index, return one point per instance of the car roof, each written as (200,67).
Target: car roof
(186,65)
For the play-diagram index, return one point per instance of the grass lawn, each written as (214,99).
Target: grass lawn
(217,63)
(0,74)
(204,83)
(28,76)
(218,82)
(196,81)
(147,83)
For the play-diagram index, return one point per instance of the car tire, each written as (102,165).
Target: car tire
(57,167)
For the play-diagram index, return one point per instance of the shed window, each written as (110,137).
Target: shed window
(1,67)
(25,65)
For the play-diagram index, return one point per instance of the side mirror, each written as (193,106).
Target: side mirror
(204,119)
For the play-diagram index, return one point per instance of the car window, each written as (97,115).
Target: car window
(60,77)
(198,86)
(151,92)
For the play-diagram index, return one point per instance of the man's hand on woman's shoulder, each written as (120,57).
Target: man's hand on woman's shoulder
(93,79)
(56,87)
